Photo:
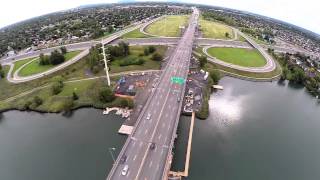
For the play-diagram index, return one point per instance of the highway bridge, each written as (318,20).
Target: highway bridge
(148,149)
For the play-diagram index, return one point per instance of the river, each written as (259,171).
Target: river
(265,131)
(36,146)
(255,131)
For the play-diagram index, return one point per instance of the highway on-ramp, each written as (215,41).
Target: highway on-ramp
(158,120)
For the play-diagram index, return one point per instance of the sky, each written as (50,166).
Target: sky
(304,13)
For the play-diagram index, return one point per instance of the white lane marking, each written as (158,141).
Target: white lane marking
(128,173)
(159,137)
(134,143)
(150,164)
(146,131)
(134,158)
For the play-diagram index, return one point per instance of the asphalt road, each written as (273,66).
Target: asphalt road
(164,111)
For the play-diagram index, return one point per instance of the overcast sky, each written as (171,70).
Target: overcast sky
(304,13)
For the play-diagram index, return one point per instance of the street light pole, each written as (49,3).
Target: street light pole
(111,150)
(105,62)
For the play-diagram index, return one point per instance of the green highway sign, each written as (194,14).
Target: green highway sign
(177,80)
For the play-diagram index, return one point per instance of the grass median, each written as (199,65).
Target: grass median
(215,30)
(135,34)
(169,26)
(238,56)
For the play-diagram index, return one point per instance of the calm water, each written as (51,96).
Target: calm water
(265,131)
(37,146)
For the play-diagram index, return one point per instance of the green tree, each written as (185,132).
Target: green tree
(56,58)
(203,60)
(106,95)
(156,57)
(215,76)
(124,47)
(298,75)
(44,60)
(63,50)
(227,35)
(110,29)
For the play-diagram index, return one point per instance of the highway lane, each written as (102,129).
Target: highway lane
(164,108)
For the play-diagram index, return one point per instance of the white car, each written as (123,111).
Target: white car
(149,116)
(125,170)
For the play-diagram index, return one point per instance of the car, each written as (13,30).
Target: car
(152,146)
(123,159)
(149,116)
(125,170)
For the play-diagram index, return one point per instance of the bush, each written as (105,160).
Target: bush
(203,60)
(57,85)
(215,76)
(152,49)
(67,104)
(131,61)
(106,95)
(37,101)
(75,96)
(126,102)
(156,57)
(146,51)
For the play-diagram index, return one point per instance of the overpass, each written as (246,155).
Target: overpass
(149,147)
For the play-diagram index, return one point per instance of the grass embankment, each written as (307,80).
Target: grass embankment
(241,74)
(86,89)
(215,30)
(168,26)
(34,67)
(137,52)
(135,34)
(20,63)
(239,56)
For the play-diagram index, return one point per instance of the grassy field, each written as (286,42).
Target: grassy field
(210,66)
(35,68)
(168,26)
(136,52)
(239,56)
(215,30)
(135,34)
(20,63)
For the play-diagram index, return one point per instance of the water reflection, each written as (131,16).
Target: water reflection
(229,109)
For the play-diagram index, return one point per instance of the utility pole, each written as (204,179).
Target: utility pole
(105,62)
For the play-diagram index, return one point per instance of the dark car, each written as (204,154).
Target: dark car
(152,146)
(123,159)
